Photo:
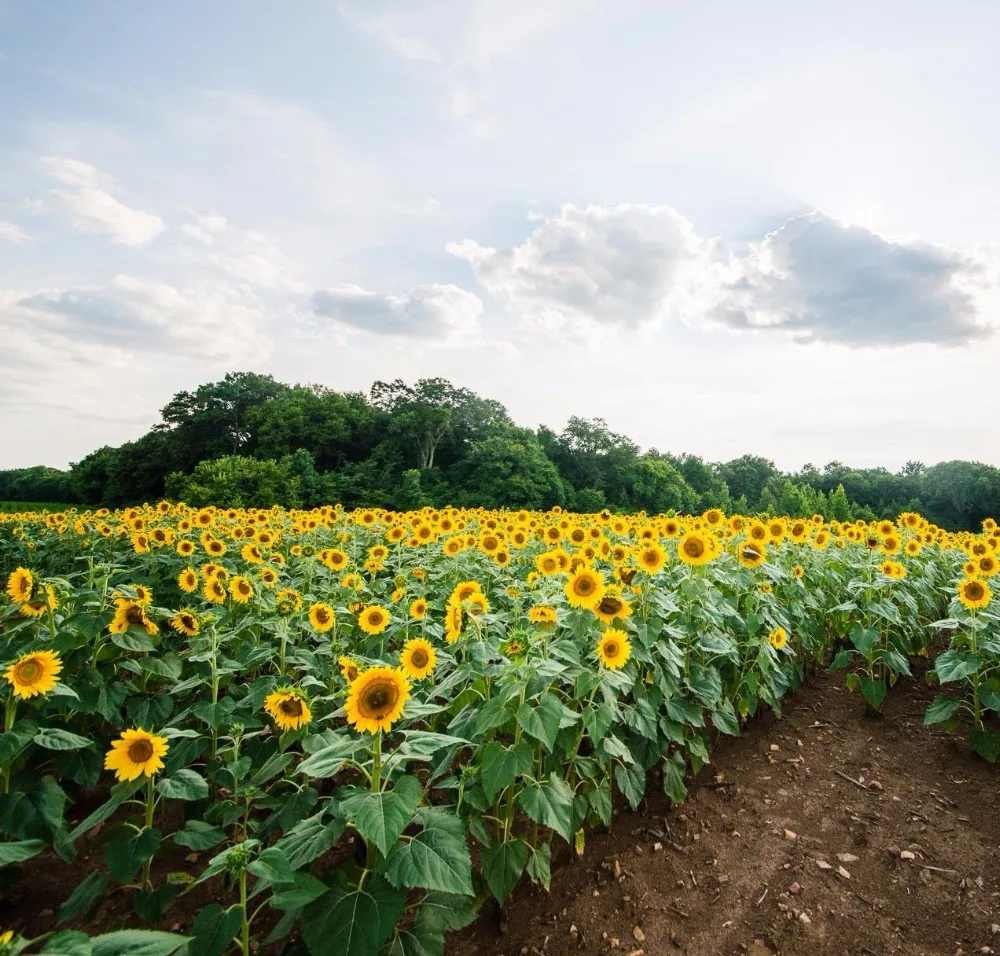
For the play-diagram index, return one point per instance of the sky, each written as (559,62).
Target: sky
(723,227)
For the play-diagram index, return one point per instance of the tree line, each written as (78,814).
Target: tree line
(251,441)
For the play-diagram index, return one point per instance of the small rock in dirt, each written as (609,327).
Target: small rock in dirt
(614,942)
(823,865)
(995,929)
(657,847)
(875,785)
(795,889)
(638,851)
(636,952)
(893,849)
(597,892)
(638,935)
(573,931)
(791,835)
(775,748)
(618,870)
(804,918)
(842,872)
(907,855)
(847,858)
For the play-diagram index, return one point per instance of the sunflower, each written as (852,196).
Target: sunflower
(131,614)
(465,590)
(39,605)
(418,609)
(215,548)
(513,647)
(893,569)
(373,619)
(974,593)
(778,638)
(651,557)
(251,553)
(987,566)
(135,753)
(376,699)
(454,618)
(890,544)
(186,622)
(477,605)
(584,587)
(288,708)
(695,548)
(418,658)
(611,605)
(542,614)
(268,577)
(614,649)
(751,554)
(214,590)
(185,548)
(349,669)
(798,571)
(287,602)
(240,589)
(321,617)
(913,547)
(35,673)
(20,584)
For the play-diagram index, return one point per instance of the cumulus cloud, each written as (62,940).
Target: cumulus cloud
(13,233)
(824,280)
(443,312)
(613,266)
(211,322)
(93,208)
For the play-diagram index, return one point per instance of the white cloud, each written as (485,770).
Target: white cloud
(13,233)
(822,279)
(92,208)
(441,312)
(594,266)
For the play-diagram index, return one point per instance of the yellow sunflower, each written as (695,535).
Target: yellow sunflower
(418,658)
(614,648)
(131,614)
(778,638)
(349,669)
(376,699)
(584,587)
(20,584)
(34,674)
(214,590)
(752,554)
(418,609)
(974,593)
(136,753)
(373,619)
(321,617)
(542,614)
(186,622)
(240,589)
(651,557)
(695,548)
(454,618)
(288,708)
(611,605)
(187,580)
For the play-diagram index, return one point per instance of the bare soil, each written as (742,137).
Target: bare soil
(777,851)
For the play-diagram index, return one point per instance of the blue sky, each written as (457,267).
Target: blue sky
(724,227)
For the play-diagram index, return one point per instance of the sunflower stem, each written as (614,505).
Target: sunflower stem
(245,923)
(377,762)
(9,717)
(150,803)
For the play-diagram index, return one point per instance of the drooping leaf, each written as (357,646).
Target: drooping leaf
(126,854)
(183,785)
(436,858)
(540,719)
(942,709)
(214,929)
(500,765)
(381,817)
(550,804)
(503,865)
(352,922)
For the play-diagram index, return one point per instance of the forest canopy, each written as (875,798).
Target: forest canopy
(251,441)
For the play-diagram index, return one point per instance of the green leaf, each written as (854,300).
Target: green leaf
(272,865)
(84,897)
(126,855)
(685,711)
(500,765)
(540,865)
(986,743)
(352,922)
(198,835)
(956,665)
(119,794)
(597,718)
(137,942)
(422,744)
(183,785)
(503,865)
(673,780)
(550,804)
(841,661)
(69,942)
(631,781)
(990,699)
(214,929)
(51,738)
(218,862)
(446,912)
(309,839)
(942,709)
(19,851)
(705,683)
(329,761)
(303,889)
(492,714)
(725,720)
(873,691)
(133,640)
(864,639)
(382,817)
(897,662)
(437,858)
(541,719)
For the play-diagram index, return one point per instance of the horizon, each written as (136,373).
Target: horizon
(777,238)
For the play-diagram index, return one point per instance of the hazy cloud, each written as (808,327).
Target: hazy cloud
(823,279)
(13,233)
(92,208)
(436,311)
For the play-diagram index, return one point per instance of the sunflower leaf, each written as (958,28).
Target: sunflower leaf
(19,851)
(183,785)
(437,858)
(541,719)
(500,765)
(126,855)
(53,738)
(382,816)
(352,921)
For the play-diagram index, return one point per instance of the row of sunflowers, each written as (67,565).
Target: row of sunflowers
(362,725)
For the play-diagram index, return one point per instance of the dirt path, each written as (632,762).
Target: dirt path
(721,875)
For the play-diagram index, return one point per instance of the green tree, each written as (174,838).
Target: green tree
(510,470)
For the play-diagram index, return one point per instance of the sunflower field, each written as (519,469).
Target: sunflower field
(362,725)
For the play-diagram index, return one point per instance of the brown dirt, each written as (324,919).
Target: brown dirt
(718,875)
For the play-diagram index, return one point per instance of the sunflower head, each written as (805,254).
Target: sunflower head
(542,614)
(136,753)
(974,593)
(778,638)
(34,674)
(374,619)
(584,587)
(376,699)
(752,554)
(418,609)
(349,669)
(611,605)
(695,548)
(321,617)
(20,584)
(186,622)
(288,708)
(614,648)
(418,658)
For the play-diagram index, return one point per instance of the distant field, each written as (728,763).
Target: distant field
(11,506)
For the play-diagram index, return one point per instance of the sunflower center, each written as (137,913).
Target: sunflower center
(292,707)
(693,548)
(134,615)
(610,605)
(974,590)
(322,616)
(419,658)
(378,699)
(375,618)
(188,621)
(29,671)
(611,649)
(139,751)
(583,586)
